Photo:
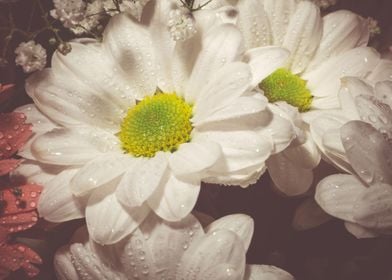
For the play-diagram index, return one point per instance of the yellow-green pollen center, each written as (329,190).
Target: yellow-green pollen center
(158,123)
(282,85)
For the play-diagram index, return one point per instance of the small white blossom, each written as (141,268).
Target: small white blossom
(92,16)
(70,12)
(30,56)
(131,7)
(181,24)
(374,29)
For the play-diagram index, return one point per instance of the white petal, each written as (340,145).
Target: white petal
(63,265)
(337,194)
(360,231)
(221,246)
(130,45)
(305,155)
(382,72)
(220,46)
(175,198)
(376,113)
(65,146)
(141,180)
(57,204)
(228,83)
(303,35)
(266,272)
(309,215)
(240,224)
(325,80)
(333,145)
(40,122)
(368,152)
(107,221)
(384,92)
(352,31)
(289,178)
(194,157)
(279,13)
(254,24)
(222,271)
(264,61)
(99,171)
(36,172)
(373,207)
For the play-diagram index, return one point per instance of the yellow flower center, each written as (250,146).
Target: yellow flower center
(282,85)
(158,123)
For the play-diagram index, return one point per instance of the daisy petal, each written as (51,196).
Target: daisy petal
(288,177)
(360,231)
(67,146)
(57,204)
(129,43)
(382,72)
(352,31)
(194,157)
(383,92)
(305,155)
(220,46)
(222,271)
(309,215)
(337,195)
(100,171)
(36,172)
(325,80)
(141,181)
(64,267)
(107,221)
(303,35)
(40,122)
(266,272)
(368,152)
(175,198)
(240,224)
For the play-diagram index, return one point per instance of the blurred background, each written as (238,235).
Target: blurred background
(327,252)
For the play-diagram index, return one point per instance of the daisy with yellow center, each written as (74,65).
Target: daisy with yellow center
(135,123)
(322,51)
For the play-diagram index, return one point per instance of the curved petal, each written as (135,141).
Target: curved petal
(220,246)
(309,215)
(71,146)
(221,45)
(264,61)
(384,92)
(36,172)
(288,177)
(360,231)
(382,72)
(130,45)
(325,80)
(368,151)
(337,194)
(107,221)
(305,155)
(63,265)
(40,122)
(352,31)
(137,184)
(57,204)
(100,171)
(194,157)
(303,35)
(266,272)
(242,225)
(175,198)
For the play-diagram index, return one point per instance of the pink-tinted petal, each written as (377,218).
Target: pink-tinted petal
(7,165)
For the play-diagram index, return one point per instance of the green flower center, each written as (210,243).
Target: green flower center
(158,123)
(282,85)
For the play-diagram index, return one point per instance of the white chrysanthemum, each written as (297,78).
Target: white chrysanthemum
(30,56)
(363,201)
(359,101)
(322,51)
(164,250)
(135,123)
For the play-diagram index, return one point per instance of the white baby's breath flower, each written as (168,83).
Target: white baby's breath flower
(181,24)
(131,7)
(374,28)
(30,56)
(168,250)
(324,4)
(70,12)
(91,18)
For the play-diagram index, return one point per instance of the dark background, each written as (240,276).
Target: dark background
(324,253)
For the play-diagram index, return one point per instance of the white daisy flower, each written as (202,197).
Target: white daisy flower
(362,201)
(323,49)
(168,250)
(135,123)
(31,56)
(359,101)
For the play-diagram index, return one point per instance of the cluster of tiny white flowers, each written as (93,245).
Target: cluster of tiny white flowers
(181,24)
(132,7)
(30,56)
(70,12)
(324,4)
(374,29)
(91,18)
